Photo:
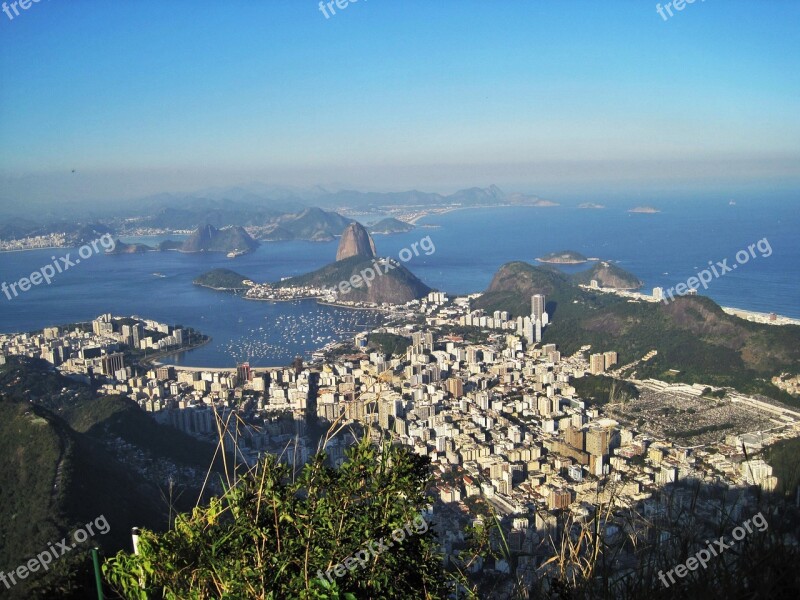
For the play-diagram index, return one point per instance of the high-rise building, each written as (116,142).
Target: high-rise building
(456,387)
(423,339)
(658,293)
(609,359)
(537,307)
(165,373)
(559,499)
(574,437)
(243,372)
(137,332)
(598,441)
(528,330)
(596,364)
(111,363)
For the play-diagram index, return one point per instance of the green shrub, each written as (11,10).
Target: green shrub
(270,534)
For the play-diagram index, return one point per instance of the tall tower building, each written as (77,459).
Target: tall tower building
(137,332)
(537,307)
(528,330)
(243,372)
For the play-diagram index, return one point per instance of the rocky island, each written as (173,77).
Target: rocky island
(566,257)
(223,280)
(356,241)
(390,225)
(391,282)
(231,240)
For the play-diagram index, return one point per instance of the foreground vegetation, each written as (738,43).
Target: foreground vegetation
(273,534)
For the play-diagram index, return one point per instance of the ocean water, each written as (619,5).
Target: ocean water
(662,249)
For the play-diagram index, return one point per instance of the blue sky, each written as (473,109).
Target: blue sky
(542,96)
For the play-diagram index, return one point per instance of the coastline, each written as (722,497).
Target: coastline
(444,210)
(41,248)
(154,359)
(747,314)
(562,262)
(208,287)
(378,308)
(320,302)
(741,313)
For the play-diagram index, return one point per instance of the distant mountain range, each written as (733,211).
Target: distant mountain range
(313,224)
(270,213)
(229,240)
(75,233)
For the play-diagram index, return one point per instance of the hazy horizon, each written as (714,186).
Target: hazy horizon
(548,99)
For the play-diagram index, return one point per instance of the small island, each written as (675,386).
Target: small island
(223,280)
(566,257)
(591,205)
(648,210)
(388,226)
(122,248)
(544,203)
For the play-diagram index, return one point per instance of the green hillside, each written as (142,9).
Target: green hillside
(608,275)
(692,335)
(390,225)
(388,343)
(96,457)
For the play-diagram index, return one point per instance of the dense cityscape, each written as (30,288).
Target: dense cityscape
(351,300)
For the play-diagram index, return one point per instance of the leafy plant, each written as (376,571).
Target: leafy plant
(273,534)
